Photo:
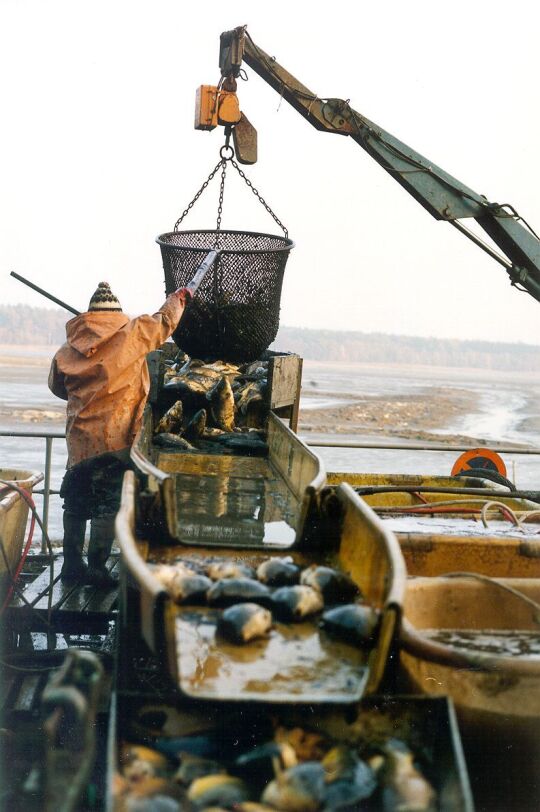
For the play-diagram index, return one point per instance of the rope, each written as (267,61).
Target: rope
(486,579)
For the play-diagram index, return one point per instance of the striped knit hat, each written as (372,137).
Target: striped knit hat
(104,299)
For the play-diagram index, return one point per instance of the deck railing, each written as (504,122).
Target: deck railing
(50,436)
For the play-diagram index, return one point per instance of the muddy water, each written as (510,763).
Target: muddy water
(511,643)
(277,668)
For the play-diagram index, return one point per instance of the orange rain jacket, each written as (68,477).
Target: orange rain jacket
(101,371)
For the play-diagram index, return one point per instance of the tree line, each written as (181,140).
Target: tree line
(23,324)
(382,348)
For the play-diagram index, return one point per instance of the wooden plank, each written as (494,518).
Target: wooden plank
(37,586)
(103,601)
(7,682)
(212,465)
(28,692)
(284,372)
(60,591)
(87,598)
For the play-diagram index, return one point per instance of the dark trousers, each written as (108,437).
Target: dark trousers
(92,490)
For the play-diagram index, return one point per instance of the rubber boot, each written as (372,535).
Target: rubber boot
(101,541)
(73,569)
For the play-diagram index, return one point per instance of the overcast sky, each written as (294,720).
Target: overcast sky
(99,154)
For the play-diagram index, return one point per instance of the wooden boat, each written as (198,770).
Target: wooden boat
(477,640)
(435,538)
(14,514)
(296,664)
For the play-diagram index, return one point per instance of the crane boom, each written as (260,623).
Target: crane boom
(444,197)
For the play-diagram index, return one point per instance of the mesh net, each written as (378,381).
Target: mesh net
(235,313)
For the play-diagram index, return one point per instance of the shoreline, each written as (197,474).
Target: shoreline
(421,417)
(444,409)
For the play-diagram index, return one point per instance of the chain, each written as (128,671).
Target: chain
(227,154)
(221,193)
(259,197)
(197,196)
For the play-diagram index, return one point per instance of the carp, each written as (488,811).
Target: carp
(189,587)
(196,426)
(217,789)
(238,590)
(353,623)
(278,572)
(404,786)
(334,586)
(229,569)
(244,622)
(167,440)
(298,789)
(294,603)
(171,421)
(221,400)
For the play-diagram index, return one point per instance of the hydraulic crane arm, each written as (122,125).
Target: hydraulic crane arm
(444,197)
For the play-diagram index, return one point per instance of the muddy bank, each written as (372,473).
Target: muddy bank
(413,417)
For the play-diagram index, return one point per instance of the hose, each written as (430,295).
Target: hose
(29,501)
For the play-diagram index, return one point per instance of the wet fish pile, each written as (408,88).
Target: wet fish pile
(221,407)
(295,771)
(278,590)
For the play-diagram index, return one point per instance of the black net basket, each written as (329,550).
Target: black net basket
(235,313)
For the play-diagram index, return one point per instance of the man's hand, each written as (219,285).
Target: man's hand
(183,296)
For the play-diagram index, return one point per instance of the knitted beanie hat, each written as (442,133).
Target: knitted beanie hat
(104,299)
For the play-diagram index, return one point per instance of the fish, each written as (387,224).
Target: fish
(164,574)
(354,623)
(404,787)
(194,382)
(192,767)
(189,588)
(244,622)
(229,591)
(251,403)
(196,425)
(256,369)
(298,789)
(211,433)
(217,789)
(167,440)
(139,762)
(252,391)
(229,569)
(262,763)
(348,778)
(307,745)
(334,586)
(171,421)
(138,771)
(223,368)
(155,795)
(294,603)
(221,400)
(249,443)
(278,572)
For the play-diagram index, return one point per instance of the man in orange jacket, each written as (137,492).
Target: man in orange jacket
(101,371)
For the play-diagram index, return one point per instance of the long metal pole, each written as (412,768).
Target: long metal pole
(416,447)
(44,293)
(46,492)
